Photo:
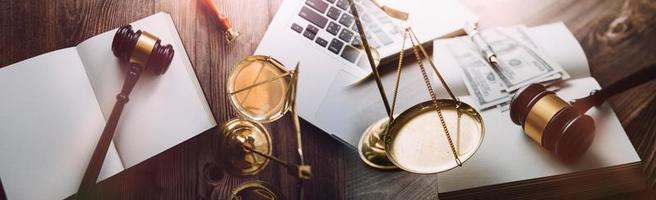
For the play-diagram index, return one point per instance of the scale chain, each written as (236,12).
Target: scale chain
(415,42)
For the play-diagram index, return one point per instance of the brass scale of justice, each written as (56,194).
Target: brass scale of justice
(409,142)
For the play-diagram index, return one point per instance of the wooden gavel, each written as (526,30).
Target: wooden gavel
(143,51)
(560,127)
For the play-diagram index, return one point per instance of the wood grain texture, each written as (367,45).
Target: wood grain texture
(617,36)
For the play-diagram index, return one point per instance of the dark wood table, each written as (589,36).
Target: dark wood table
(618,37)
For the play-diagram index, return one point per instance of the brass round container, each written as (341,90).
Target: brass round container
(238,133)
(258,88)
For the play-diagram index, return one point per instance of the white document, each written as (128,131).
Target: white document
(54,107)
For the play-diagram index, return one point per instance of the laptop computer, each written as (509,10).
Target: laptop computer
(322,36)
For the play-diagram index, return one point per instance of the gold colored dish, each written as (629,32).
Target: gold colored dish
(258,88)
(417,143)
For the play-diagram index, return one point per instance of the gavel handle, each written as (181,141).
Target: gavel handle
(598,96)
(98,157)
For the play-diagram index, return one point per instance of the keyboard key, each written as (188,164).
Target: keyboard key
(343,4)
(366,18)
(384,38)
(309,34)
(331,1)
(373,42)
(321,41)
(333,13)
(375,28)
(354,28)
(351,54)
(312,28)
(313,16)
(335,46)
(346,20)
(356,41)
(333,28)
(297,28)
(360,8)
(368,4)
(394,30)
(346,35)
(319,5)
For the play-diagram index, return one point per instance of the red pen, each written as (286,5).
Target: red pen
(230,33)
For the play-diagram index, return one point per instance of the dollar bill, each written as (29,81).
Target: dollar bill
(520,33)
(520,64)
(481,81)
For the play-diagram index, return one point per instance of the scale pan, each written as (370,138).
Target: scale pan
(417,143)
(258,88)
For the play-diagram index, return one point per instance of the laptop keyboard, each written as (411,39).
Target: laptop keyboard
(334,17)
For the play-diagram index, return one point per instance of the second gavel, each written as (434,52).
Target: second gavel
(143,52)
(560,127)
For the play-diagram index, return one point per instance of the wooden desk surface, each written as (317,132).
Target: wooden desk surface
(618,37)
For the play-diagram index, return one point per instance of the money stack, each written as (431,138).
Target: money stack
(519,63)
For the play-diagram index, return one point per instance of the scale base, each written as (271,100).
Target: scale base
(238,133)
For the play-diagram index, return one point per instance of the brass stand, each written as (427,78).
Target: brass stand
(238,134)
(371,147)
(376,147)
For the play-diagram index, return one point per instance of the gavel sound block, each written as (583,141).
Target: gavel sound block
(143,51)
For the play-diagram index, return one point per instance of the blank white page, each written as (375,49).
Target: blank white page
(50,123)
(557,42)
(163,111)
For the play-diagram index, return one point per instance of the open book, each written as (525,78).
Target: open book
(54,107)
(507,156)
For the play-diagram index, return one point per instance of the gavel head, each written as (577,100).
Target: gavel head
(142,48)
(552,122)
